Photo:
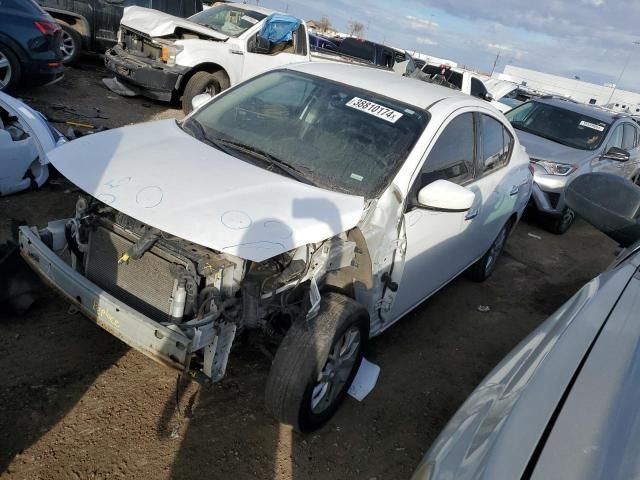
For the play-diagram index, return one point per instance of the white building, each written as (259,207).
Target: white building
(578,90)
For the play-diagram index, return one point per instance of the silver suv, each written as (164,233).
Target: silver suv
(565,140)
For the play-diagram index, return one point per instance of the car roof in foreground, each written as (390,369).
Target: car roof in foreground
(581,108)
(384,82)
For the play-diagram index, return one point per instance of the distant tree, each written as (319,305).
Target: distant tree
(324,24)
(356,28)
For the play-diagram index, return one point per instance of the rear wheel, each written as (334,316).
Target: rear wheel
(199,83)
(483,268)
(9,69)
(316,363)
(70,45)
(560,225)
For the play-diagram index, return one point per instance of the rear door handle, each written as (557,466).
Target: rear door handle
(514,190)
(473,213)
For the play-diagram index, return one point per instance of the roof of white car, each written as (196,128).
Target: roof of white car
(383,82)
(254,8)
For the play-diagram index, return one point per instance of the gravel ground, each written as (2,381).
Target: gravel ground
(77,403)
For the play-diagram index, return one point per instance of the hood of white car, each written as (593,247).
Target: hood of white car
(158,24)
(162,176)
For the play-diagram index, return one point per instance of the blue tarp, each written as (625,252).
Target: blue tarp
(279,28)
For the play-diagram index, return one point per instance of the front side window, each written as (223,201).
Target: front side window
(228,19)
(559,125)
(616,138)
(452,156)
(629,137)
(497,144)
(329,134)
(478,89)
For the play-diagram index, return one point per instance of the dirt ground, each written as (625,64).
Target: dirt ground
(76,403)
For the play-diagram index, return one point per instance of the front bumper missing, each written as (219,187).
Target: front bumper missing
(164,344)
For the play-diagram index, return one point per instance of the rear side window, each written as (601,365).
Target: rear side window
(629,137)
(452,156)
(496,145)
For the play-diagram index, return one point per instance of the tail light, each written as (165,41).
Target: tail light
(46,27)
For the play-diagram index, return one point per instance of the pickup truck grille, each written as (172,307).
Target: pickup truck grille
(139,45)
(145,284)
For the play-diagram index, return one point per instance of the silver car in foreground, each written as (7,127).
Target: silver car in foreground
(565,140)
(565,404)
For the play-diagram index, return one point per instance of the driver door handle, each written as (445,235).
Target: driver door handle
(514,190)
(473,213)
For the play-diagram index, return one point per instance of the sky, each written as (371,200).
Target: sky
(590,39)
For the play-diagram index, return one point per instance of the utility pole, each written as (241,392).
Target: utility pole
(495,62)
(626,64)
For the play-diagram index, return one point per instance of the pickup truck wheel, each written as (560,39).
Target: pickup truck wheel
(201,82)
(9,69)
(70,45)
(483,268)
(560,225)
(316,363)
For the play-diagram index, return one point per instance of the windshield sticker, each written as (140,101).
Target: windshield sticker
(592,126)
(374,109)
(357,177)
(249,19)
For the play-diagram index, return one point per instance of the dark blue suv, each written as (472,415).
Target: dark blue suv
(29,45)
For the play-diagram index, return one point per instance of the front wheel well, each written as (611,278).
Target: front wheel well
(205,67)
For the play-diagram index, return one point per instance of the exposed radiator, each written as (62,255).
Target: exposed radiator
(145,284)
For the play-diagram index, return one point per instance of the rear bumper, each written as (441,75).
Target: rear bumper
(151,79)
(38,73)
(164,344)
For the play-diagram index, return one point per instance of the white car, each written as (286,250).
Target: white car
(315,205)
(26,138)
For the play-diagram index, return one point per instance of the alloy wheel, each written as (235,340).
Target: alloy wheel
(5,70)
(67,46)
(337,370)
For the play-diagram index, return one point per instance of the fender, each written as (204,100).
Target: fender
(80,23)
(15,47)
(198,52)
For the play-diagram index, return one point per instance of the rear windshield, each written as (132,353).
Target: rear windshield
(227,19)
(335,136)
(560,125)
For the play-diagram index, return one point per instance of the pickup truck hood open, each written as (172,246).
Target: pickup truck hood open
(161,176)
(159,24)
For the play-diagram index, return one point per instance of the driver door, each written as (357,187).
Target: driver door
(260,58)
(604,165)
(435,240)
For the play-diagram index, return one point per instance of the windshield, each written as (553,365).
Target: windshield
(559,125)
(228,19)
(336,136)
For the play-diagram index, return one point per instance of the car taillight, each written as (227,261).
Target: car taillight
(46,27)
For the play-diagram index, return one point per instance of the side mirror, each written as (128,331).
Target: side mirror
(617,154)
(446,196)
(488,97)
(199,100)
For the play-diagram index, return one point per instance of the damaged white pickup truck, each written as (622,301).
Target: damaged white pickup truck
(310,207)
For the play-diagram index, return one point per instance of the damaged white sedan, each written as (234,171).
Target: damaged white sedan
(308,208)
(26,138)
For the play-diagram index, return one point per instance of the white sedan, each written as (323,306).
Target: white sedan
(317,204)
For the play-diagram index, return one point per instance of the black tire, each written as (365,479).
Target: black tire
(201,82)
(70,45)
(9,63)
(304,355)
(560,225)
(483,268)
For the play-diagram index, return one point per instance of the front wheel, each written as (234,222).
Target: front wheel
(199,83)
(316,363)
(560,225)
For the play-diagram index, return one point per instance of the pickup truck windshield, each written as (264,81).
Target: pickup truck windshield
(559,125)
(334,135)
(227,19)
